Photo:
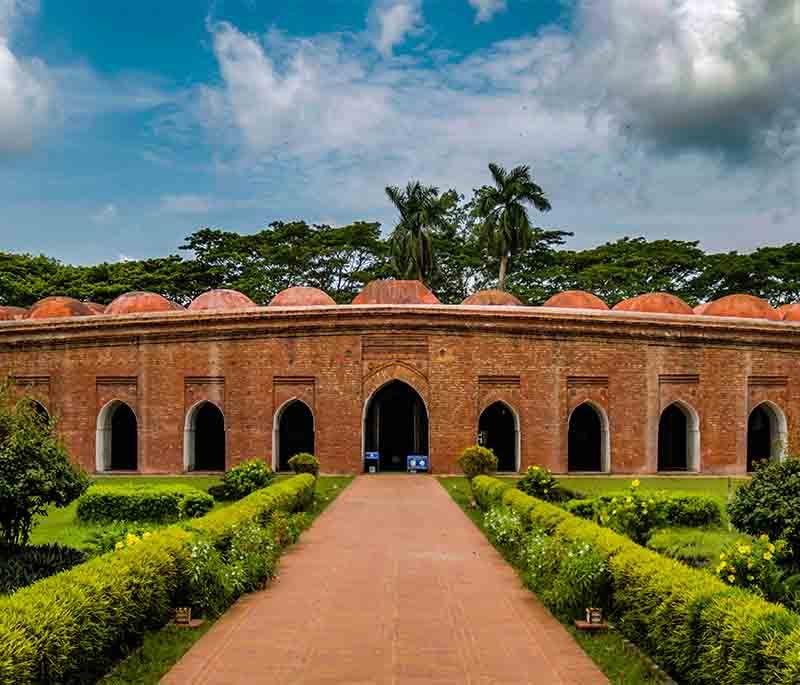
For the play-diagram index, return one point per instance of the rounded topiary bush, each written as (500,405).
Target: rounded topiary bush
(243,479)
(304,463)
(477,461)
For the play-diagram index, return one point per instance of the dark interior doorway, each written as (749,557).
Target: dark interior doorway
(673,444)
(585,439)
(209,438)
(396,425)
(497,430)
(295,433)
(759,436)
(124,439)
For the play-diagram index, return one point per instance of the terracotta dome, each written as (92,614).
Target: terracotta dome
(301,296)
(221,298)
(395,292)
(654,303)
(576,299)
(96,308)
(790,312)
(701,308)
(13,313)
(55,307)
(744,306)
(492,297)
(139,302)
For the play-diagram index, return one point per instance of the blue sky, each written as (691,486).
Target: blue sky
(126,126)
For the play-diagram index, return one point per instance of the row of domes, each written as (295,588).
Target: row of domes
(399,292)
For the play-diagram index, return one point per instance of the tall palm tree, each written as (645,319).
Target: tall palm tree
(506,228)
(421,209)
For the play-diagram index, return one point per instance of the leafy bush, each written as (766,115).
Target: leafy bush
(243,479)
(539,482)
(35,469)
(585,508)
(694,511)
(25,565)
(106,539)
(770,504)
(541,559)
(477,461)
(488,491)
(633,514)
(754,566)
(582,580)
(304,463)
(72,626)
(505,529)
(161,503)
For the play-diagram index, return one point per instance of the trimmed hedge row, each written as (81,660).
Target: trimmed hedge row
(159,503)
(692,511)
(72,626)
(700,629)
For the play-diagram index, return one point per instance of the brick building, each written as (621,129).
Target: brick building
(144,385)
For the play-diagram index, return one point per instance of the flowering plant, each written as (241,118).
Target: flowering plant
(753,565)
(539,482)
(505,529)
(634,514)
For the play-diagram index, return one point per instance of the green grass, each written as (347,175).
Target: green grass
(62,525)
(694,546)
(163,648)
(621,665)
(698,485)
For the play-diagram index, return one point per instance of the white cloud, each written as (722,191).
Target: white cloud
(486,9)
(186,204)
(106,214)
(393,21)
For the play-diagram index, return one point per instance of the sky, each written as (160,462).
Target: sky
(124,127)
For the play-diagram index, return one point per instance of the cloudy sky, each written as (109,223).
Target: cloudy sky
(126,126)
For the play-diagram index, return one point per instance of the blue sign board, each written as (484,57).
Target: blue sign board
(417,462)
(372,462)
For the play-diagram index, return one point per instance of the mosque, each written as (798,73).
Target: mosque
(143,385)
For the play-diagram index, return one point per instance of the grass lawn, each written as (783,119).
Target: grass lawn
(62,526)
(621,665)
(698,485)
(163,648)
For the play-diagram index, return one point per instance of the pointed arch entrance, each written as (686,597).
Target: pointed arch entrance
(293,432)
(498,429)
(395,425)
(766,434)
(678,438)
(117,440)
(587,439)
(204,438)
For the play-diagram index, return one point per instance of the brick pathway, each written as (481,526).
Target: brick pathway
(392,584)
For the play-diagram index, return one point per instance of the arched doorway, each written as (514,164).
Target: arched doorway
(40,411)
(117,438)
(293,433)
(396,425)
(766,434)
(498,430)
(587,439)
(204,438)
(678,438)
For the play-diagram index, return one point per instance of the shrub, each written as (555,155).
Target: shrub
(25,565)
(541,558)
(633,514)
(585,508)
(72,626)
(488,491)
(582,580)
(770,503)
(477,461)
(106,539)
(540,483)
(505,529)
(161,503)
(35,469)
(694,511)
(243,479)
(304,463)
(753,565)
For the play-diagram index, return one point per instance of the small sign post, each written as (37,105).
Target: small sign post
(372,462)
(417,463)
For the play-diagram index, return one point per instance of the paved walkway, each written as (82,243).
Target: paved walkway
(392,584)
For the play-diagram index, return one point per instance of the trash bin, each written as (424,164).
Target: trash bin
(417,463)
(372,462)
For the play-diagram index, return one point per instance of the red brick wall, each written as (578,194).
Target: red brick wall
(542,363)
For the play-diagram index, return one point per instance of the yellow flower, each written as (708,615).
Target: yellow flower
(744,549)
(629,499)
(723,555)
(764,538)
(771,547)
(767,555)
(131,539)
(146,534)
(535,468)
(731,578)
(119,545)
(635,483)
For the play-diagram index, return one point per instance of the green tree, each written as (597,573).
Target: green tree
(421,210)
(503,208)
(35,469)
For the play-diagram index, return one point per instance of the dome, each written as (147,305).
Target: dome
(576,299)
(395,292)
(13,313)
(139,303)
(654,303)
(701,308)
(220,299)
(56,307)
(492,297)
(790,312)
(744,306)
(301,296)
(96,308)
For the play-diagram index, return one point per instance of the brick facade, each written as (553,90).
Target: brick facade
(541,362)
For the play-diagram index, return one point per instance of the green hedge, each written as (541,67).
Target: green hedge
(679,510)
(160,503)
(72,626)
(700,629)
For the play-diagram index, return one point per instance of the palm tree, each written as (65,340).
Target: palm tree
(506,228)
(421,209)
